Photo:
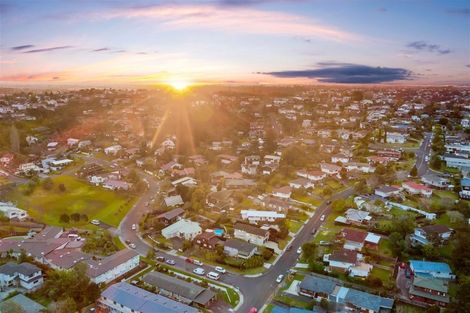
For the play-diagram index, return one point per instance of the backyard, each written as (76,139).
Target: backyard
(47,205)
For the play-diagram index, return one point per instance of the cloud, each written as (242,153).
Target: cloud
(468,65)
(230,18)
(347,73)
(461,11)
(424,46)
(22,47)
(47,49)
(101,49)
(46,76)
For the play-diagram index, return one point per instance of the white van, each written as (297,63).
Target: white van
(213,275)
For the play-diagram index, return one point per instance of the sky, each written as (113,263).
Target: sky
(405,42)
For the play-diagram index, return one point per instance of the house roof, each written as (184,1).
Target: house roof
(28,305)
(344,255)
(284,190)
(431,283)
(250,229)
(66,258)
(317,284)
(171,214)
(357,215)
(465,182)
(24,268)
(437,228)
(143,301)
(428,295)
(428,266)
(180,287)
(99,267)
(416,186)
(373,238)
(367,300)
(354,235)
(386,189)
(240,245)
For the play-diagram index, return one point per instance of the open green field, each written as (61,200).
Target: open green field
(79,197)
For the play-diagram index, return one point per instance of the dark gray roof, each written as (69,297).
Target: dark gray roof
(171,214)
(28,305)
(317,284)
(23,268)
(143,301)
(173,285)
(367,300)
(174,200)
(240,245)
(251,229)
(99,267)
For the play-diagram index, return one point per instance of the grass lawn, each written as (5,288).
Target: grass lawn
(283,242)
(79,197)
(293,302)
(268,308)
(118,243)
(384,275)
(406,308)
(293,226)
(385,247)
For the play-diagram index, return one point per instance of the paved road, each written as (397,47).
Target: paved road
(424,150)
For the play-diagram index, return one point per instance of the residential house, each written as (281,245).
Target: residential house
(171,216)
(183,228)
(393,137)
(239,183)
(173,201)
(361,167)
(436,181)
(460,162)
(348,299)
(239,248)
(112,150)
(111,267)
(23,302)
(185,181)
(417,189)
(354,239)
(220,199)
(124,298)
(439,270)
(330,169)
(24,275)
(208,240)
(278,204)
(12,212)
(113,184)
(465,188)
(301,183)
(358,217)
(337,158)
(255,216)
(430,290)
(387,191)
(431,234)
(394,155)
(283,192)
(251,233)
(180,290)
(311,175)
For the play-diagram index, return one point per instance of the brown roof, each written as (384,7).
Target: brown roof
(251,229)
(439,229)
(344,255)
(354,235)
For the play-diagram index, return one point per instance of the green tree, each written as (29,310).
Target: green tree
(64,218)
(309,249)
(414,171)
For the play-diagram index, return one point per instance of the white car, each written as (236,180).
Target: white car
(132,245)
(95,222)
(198,263)
(322,218)
(170,262)
(134,227)
(220,269)
(279,278)
(199,271)
(299,250)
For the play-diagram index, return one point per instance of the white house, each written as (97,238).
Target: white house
(185,181)
(330,169)
(25,275)
(393,137)
(10,211)
(301,183)
(72,142)
(254,216)
(362,167)
(311,175)
(251,233)
(387,191)
(112,150)
(183,228)
(339,158)
(423,235)
(111,267)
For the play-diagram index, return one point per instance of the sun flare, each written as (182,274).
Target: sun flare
(179,85)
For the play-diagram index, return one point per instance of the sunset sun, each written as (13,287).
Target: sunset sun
(179,85)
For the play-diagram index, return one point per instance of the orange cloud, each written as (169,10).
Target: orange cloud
(233,19)
(35,77)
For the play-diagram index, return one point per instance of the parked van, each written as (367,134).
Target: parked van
(213,275)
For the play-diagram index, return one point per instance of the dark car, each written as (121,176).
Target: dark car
(289,248)
(190,260)
(313,231)
(328,202)
(160,258)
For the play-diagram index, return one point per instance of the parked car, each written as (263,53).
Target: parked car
(95,222)
(160,258)
(299,250)
(134,227)
(198,263)
(328,202)
(279,279)
(220,269)
(313,231)
(199,271)
(132,245)
(289,248)
(322,218)
(188,260)
(324,243)
(213,275)
(170,262)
